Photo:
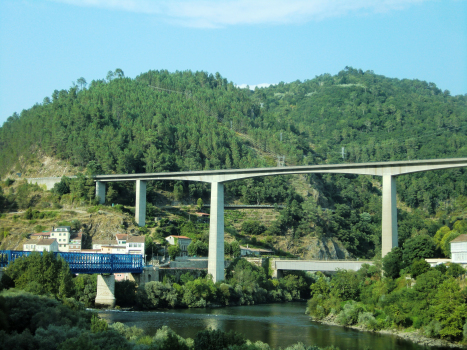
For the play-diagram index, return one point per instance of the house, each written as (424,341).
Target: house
(98,243)
(62,235)
(76,243)
(246,251)
(113,249)
(136,245)
(40,235)
(459,250)
(202,217)
(182,241)
(49,245)
(121,239)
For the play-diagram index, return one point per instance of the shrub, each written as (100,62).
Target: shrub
(349,314)
(433,329)
(367,320)
(216,339)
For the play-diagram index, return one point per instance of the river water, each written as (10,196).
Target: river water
(279,325)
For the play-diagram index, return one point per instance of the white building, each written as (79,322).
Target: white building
(62,235)
(182,241)
(113,249)
(49,245)
(135,245)
(121,238)
(99,243)
(76,243)
(459,250)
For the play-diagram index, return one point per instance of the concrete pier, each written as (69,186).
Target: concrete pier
(100,191)
(216,232)
(389,233)
(105,296)
(140,206)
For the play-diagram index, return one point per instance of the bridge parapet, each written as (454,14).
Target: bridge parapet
(316,265)
(86,263)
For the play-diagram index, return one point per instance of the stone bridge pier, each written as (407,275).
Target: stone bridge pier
(105,296)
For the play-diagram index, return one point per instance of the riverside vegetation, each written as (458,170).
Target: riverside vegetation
(43,307)
(412,296)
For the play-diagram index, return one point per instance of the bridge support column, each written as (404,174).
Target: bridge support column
(140,207)
(105,296)
(389,224)
(100,191)
(216,233)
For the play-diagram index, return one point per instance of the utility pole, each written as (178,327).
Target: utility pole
(343,153)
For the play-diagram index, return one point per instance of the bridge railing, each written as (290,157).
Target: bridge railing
(87,263)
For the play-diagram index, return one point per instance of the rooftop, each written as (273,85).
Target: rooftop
(47,241)
(459,239)
(136,239)
(179,237)
(121,236)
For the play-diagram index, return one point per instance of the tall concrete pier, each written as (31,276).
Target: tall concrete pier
(388,170)
(216,232)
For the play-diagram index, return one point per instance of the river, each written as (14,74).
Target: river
(279,325)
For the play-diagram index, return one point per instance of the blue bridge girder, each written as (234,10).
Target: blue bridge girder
(87,263)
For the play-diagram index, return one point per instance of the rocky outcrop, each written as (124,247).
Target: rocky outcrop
(325,248)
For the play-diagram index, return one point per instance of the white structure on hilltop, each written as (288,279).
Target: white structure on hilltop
(459,250)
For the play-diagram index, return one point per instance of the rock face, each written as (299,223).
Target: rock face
(326,248)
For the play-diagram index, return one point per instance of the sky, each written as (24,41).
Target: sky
(49,44)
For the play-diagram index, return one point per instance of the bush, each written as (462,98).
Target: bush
(367,320)
(216,340)
(349,315)
(433,329)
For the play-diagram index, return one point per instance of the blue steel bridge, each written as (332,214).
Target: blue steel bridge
(86,263)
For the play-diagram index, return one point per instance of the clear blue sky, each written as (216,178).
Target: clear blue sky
(46,45)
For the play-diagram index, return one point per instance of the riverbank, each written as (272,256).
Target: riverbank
(406,334)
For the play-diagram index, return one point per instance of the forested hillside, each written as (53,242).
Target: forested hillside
(163,121)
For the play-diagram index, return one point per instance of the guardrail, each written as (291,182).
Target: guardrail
(86,263)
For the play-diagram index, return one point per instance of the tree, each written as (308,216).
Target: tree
(252,227)
(392,263)
(200,204)
(419,247)
(174,251)
(178,191)
(197,248)
(418,267)
(82,83)
(119,73)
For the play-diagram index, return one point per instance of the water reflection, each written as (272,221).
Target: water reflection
(279,325)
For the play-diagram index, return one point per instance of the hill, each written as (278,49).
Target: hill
(163,121)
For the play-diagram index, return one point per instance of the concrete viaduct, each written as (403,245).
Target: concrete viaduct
(217,178)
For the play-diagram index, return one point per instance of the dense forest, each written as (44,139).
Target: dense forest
(162,121)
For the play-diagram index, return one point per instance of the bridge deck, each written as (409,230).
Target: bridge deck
(86,263)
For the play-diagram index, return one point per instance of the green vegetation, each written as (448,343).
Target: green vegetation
(42,323)
(430,300)
(245,284)
(184,121)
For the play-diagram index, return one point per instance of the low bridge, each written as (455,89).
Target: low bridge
(387,170)
(105,265)
(329,266)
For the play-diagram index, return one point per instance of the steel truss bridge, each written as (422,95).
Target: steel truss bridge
(86,263)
